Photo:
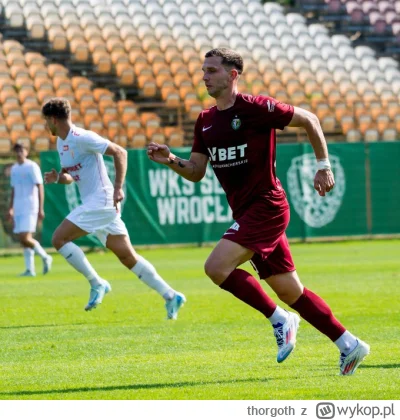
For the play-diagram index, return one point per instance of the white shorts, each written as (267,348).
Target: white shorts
(25,223)
(100,222)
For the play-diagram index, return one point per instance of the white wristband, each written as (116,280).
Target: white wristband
(58,178)
(323,164)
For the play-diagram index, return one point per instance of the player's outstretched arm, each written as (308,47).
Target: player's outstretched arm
(57,177)
(193,169)
(324,180)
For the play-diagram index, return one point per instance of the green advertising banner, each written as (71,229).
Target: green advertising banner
(384,160)
(162,208)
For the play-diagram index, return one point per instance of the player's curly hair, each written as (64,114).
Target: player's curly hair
(229,58)
(57,107)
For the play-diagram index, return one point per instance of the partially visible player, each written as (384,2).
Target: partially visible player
(82,162)
(26,208)
(238,137)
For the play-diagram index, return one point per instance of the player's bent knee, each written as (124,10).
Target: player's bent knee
(128,260)
(289,297)
(23,242)
(214,272)
(57,241)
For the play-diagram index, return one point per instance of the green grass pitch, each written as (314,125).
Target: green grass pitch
(218,348)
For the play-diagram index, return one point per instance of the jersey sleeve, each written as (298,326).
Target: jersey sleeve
(198,144)
(93,143)
(274,114)
(36,174)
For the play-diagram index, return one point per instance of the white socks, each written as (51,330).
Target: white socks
(346,342)
(279,316)
(39,250)
(75,256)
(148,274)
(29,257)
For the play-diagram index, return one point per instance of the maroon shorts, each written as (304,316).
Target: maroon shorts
(262,230)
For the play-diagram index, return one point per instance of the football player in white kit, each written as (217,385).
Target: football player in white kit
(82,161)
(26,208)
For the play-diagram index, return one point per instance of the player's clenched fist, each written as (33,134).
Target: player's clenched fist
(158,152)
(50,177)
(324,181)
(119,195)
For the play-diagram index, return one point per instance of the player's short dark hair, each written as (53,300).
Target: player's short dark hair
(229,58)
(57,107)
(18,147)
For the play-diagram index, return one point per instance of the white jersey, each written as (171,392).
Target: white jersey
(25,178)
(81,156)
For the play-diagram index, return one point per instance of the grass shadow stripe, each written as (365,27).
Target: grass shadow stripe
(133,387)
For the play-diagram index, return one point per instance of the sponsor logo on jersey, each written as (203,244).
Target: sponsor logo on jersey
(74,168)
(314,210)
(236,123)
(221,154)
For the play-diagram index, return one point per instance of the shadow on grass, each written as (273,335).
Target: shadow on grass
(87,323)
(16,327)
(132,387)
(388,366)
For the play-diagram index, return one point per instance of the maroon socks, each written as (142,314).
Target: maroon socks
(246,288)
(310,306)
(316,311)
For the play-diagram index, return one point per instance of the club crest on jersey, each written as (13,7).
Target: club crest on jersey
(236,123)
(65,147)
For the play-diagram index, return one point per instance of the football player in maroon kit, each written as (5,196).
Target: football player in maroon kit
(238,137)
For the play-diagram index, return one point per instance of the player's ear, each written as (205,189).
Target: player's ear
(234,74)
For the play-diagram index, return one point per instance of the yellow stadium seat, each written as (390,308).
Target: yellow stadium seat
(390,134)
(347,122)
(364,123)
(101,94)
(353,135)
(7,96)
(66,93)
(15,123)
(328,124)
(371,135)
(11,108)
(44,95)
(80,50)
(30,108)
(5,144)
(58,39)
(35,122)
(27,94)
(57,70)
(156,136)
(382,122)
(20,136)
(41,140)
(136,137)
(102,61)
(125,74)
(392,109)
(175,136)
(37,70)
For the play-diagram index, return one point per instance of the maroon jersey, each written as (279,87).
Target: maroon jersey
(241,145)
